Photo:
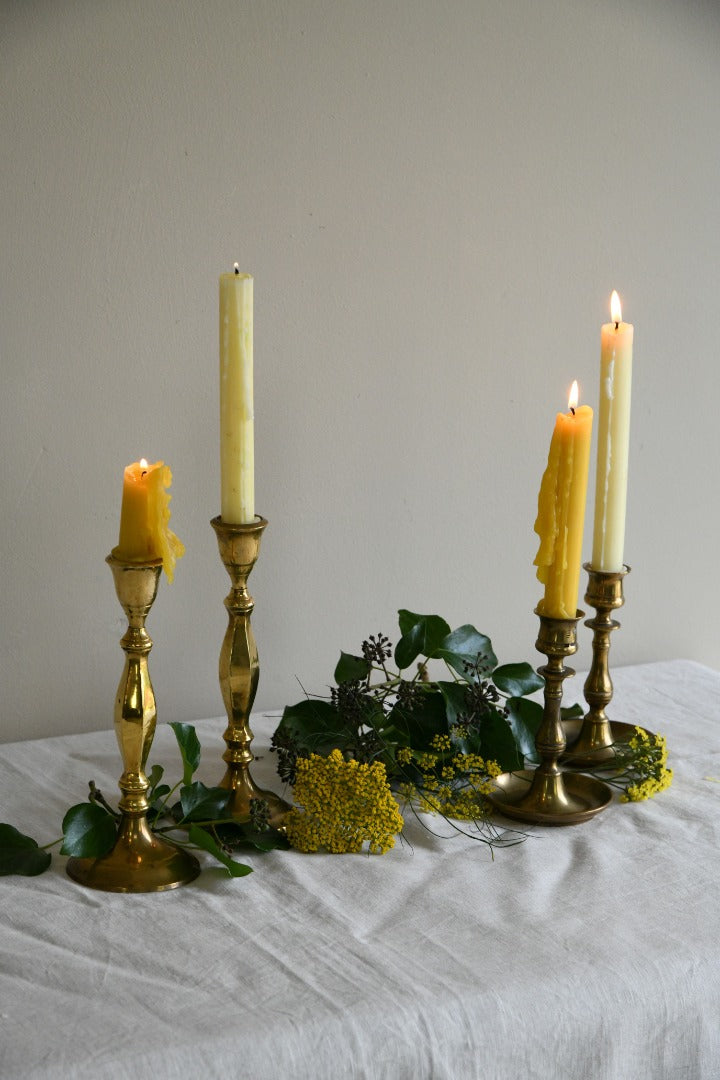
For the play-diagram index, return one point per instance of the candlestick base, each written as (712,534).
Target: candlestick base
(239,670)
(139,860)
(592,746)
(546,795)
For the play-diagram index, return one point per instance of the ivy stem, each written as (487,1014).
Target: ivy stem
(44,847)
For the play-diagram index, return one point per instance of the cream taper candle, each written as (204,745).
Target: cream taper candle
(237,442)
(616,352)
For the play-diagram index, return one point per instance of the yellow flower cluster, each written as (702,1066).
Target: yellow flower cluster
(455,787)
(342,805)
(647,763)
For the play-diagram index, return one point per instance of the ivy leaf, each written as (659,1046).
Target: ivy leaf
(517,680)
(201,803)
(242,835)
(455,695)
(420,724)
(20,854)
(316,725)
(88,831)
(190,749)
(497,742)
(154,777)
(421,635)
(202,839)
(571,712)
(349,668)
(525,718)
(464,646)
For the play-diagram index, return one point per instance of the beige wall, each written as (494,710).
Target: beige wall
(436,199)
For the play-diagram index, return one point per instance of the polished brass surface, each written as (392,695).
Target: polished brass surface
(139,861)
(546,795)
(239,669)
(580,799)
(593,745)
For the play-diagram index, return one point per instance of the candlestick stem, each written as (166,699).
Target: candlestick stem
(140,861)
(547,795)
(239,669)
(594,743)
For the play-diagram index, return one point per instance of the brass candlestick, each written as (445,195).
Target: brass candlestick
(546,795)
(240,670)
(140,861)
(591,740)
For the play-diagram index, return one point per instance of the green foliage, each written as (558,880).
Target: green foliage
(20,854)
(89,831)
(189,745)
(479,708)
(198,819)
(201,838)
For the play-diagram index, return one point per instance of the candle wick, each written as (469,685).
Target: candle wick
(617,325)
(572,410)
(143,473)
(237,271)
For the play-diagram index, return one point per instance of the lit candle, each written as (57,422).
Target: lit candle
(237,446)
(561,510)
(145,515)
(616,348)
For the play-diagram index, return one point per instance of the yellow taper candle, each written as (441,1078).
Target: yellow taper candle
(144,519)
(561,510)
(616,353)
(237,445)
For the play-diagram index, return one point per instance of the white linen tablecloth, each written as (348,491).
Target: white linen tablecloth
(590,951)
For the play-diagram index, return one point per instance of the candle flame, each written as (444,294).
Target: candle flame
(615,308)
(573,397)
(143,463)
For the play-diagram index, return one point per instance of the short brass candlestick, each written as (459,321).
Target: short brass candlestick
(546,795)
(591,742)
(140,861)
(240,670)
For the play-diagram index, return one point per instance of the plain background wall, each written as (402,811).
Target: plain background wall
(436,199)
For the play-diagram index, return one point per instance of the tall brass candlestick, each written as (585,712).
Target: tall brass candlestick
(547,795)
(240,669)
(140,861)
(593,744)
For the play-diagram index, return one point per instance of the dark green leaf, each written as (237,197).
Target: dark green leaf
(421,635)
(204,840)
(421,723)
(571,712)
(157,804)
(20,854)
(349,668)
(190,750)
(154,777)
(200,803)
(88,831)
(242,835)
(497,742)
(464,646)
(516,680)
(316,725)
(525,718)
(455,695)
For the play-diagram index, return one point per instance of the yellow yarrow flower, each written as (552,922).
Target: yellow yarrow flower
(343,805)
(645,764)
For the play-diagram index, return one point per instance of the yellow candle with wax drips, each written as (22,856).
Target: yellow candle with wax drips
(145,515)
(561,510)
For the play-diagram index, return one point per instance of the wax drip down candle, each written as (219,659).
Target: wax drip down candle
(561,510)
